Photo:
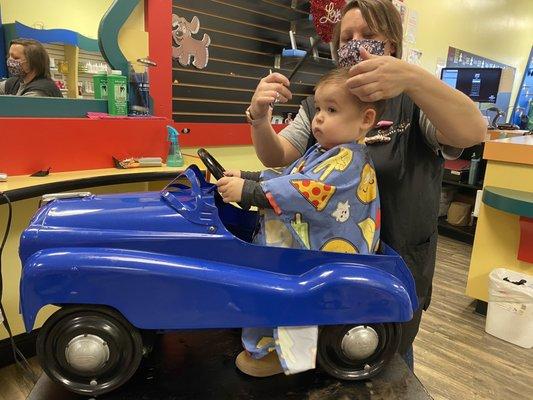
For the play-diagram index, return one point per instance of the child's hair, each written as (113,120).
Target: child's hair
(339,76)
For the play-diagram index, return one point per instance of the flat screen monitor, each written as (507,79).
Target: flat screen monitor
(480,84)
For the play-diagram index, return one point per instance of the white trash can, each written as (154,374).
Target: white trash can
(510,310)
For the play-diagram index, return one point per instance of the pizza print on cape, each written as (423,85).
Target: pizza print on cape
(316,193)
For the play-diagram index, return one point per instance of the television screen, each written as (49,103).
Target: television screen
(480,84)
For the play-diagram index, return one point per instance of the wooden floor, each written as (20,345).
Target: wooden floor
(14,385)
(454,358)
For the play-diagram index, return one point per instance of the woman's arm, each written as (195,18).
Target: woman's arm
(272,150)
(457,119)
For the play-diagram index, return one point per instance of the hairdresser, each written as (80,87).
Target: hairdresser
(429,122)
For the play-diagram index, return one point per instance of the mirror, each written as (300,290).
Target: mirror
(68,32)
(120,27)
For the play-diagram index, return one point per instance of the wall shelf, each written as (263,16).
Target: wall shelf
(290,62)
(74,77)
(462,233)
(462,185)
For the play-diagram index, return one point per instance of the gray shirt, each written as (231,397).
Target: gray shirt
(33,93)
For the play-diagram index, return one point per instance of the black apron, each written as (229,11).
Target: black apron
(409,177)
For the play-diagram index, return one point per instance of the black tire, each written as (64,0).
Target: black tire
(338,364)
(123,342)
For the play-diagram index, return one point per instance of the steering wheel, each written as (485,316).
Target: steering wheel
(211,163)
(214,167)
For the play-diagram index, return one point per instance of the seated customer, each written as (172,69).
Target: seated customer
(29,69)
(327,200)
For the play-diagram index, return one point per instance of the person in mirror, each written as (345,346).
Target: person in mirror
(28,65)
(315,203)
(428,122)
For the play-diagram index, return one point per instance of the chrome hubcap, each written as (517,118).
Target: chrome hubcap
(360,342)
(87,353)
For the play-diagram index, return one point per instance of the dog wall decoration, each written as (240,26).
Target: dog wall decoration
(185,48)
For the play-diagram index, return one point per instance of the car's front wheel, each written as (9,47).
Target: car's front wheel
(355,352)
(89,350)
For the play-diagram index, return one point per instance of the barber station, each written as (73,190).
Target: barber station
(275,199)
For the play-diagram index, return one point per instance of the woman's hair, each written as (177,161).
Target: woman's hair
(36,55)
(381,16)
(338,76)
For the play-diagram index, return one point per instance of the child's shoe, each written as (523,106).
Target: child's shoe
(267,366)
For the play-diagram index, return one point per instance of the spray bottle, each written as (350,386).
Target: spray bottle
(174,158)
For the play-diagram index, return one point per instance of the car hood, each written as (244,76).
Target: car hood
(119,220)
(133,211)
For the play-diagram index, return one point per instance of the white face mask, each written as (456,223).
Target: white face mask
(348,54)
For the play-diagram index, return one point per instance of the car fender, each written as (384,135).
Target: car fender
(157,291)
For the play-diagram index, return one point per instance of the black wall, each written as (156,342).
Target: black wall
(246,35)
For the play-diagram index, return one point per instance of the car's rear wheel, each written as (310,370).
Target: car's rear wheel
(355,352)
(89,350)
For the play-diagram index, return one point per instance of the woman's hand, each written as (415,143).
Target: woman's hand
(378,77)
(230,188)
(233,172)
(272,88)
(383,77)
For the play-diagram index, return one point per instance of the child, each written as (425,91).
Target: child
(326,200)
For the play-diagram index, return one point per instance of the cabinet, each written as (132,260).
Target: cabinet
(466,193)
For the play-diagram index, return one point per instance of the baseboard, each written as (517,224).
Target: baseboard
(25,342)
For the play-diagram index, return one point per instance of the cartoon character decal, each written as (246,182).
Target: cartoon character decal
(299,167)
(302,229)
(185,47)
(368,229)
(340,162)
(367,189)
(338,245)
(342,213)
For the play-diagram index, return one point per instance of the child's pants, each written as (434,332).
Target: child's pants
(296,346)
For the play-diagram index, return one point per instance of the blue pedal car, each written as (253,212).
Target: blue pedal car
(120,265)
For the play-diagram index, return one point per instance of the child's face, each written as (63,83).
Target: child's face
(338,117)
